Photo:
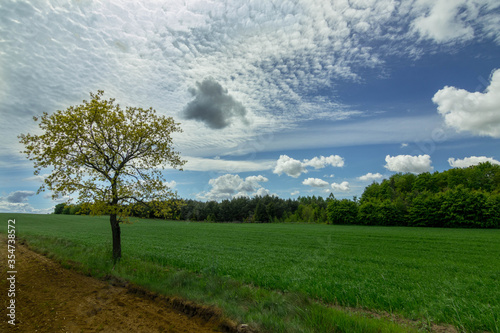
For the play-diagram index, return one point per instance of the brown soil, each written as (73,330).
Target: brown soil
(50,298)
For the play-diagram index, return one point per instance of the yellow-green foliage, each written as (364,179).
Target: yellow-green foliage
(110,156)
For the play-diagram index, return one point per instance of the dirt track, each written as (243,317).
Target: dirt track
(50,298)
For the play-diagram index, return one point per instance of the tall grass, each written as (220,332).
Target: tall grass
(429,275)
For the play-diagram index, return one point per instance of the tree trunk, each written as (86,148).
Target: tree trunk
(117,246)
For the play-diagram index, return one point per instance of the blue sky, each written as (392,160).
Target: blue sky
(291,98)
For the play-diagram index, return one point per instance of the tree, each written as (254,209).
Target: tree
(111,157)
(59,208)
(260,214)
(342,211)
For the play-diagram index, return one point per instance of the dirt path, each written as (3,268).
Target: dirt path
(50,298)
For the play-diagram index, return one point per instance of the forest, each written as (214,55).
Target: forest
(458,197)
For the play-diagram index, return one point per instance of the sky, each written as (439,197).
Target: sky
(287,98)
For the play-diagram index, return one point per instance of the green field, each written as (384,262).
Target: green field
(447,276)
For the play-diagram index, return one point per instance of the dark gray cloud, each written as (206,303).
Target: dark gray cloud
(18,196)
(213,105)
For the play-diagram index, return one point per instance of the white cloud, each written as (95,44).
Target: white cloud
(251,184)
(295,193)
(442,21)
(370,176)
(491,25)
(261,192)
(469,161)
(455,21)
(63,199)
(291,167)
(321,162)
(22,207)
(315,182)
(172,184)
(342,187)
(478,113)
(294,168)
(407,163)
(230,186)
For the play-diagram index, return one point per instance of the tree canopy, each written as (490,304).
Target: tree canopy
(459,197)
(112,157)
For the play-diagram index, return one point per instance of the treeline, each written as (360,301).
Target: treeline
(259,209)
(68,209)
(460,197)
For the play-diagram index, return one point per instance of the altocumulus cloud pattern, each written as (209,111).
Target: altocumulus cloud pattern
(261,87)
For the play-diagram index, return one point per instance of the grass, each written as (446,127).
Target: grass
(276,276)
